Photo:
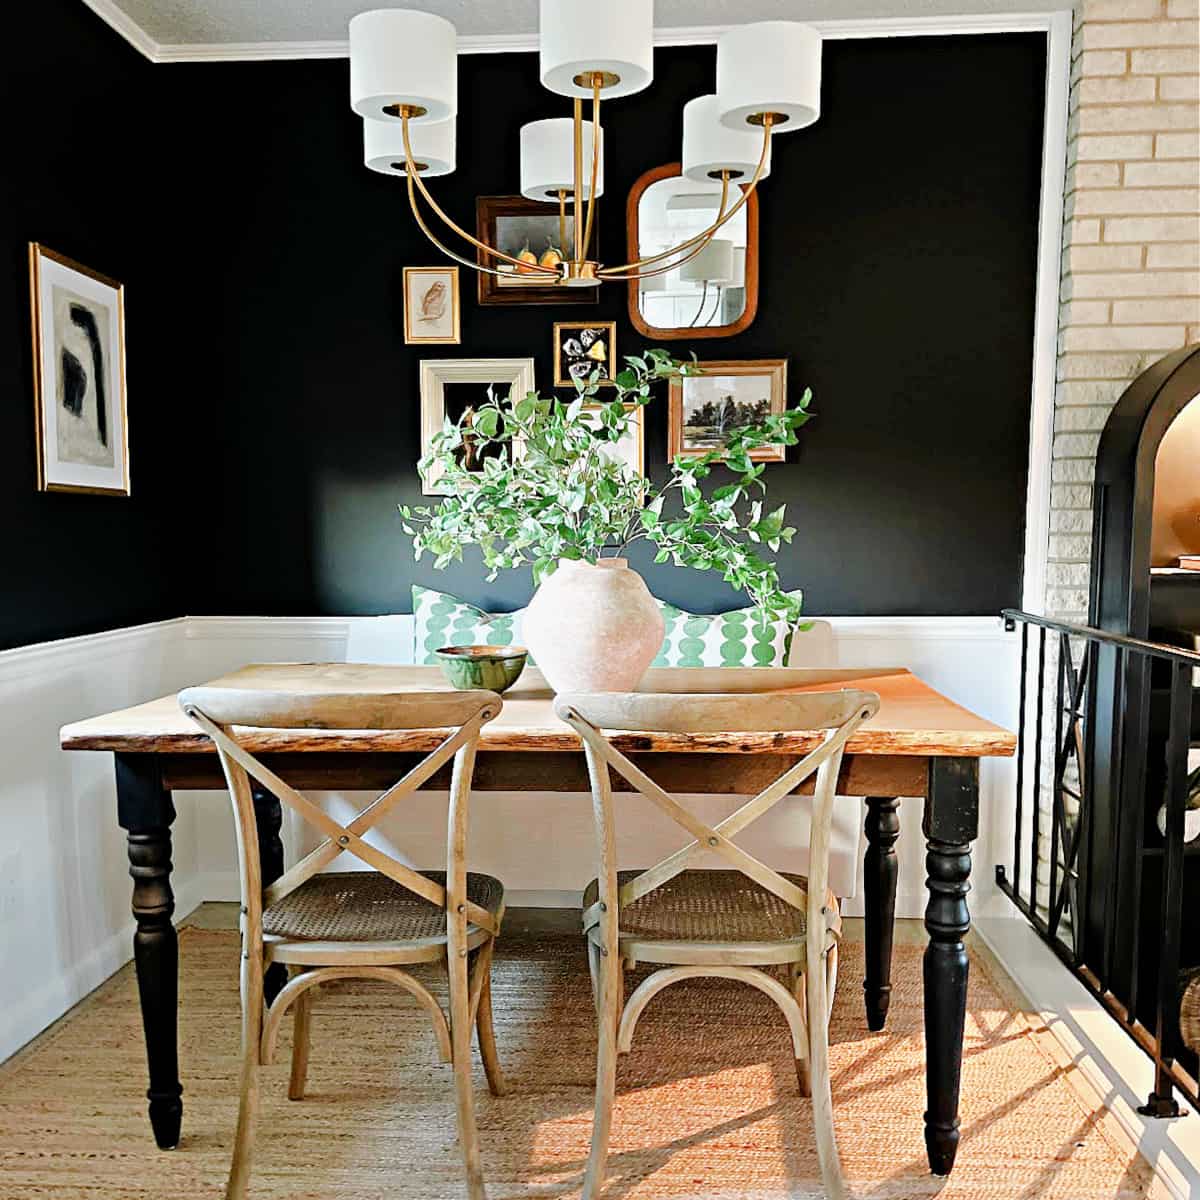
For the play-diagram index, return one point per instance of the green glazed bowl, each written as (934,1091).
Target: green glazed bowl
(493,668)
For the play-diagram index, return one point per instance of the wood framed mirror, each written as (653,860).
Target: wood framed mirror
(713,295)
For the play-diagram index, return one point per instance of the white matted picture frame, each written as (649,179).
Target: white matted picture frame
(450,385)
(431,306)
(80,410)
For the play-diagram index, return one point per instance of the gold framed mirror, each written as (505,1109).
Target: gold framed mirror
(715,294)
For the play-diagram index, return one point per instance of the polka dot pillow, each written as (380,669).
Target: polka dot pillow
(741,638)
(440,619)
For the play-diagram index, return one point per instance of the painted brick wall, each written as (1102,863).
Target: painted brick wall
(1131,245)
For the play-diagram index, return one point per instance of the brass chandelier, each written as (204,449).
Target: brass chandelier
(404,82)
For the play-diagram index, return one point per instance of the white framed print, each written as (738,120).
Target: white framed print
(454,388)
(78,376)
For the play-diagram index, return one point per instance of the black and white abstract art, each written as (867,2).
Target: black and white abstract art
(78,319)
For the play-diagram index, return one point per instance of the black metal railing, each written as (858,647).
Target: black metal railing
(1100,863)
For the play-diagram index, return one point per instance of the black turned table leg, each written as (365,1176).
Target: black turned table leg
(880,870)
(145,812)
(951,824)
(268,817)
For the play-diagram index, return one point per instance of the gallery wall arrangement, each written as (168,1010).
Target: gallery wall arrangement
(282,312)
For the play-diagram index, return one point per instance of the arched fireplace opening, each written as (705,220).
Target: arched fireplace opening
(1138,589)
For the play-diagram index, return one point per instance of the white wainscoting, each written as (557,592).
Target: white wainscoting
(64,885)
(65,924)
(971,659)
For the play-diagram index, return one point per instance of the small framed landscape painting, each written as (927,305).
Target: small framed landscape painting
(581,347)
(704,409)
(431,311)
(454,388)
(78,376)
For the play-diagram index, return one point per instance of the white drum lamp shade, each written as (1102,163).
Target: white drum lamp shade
(710,148)
(580,37)
(769,67)
(548,160)
(402,57)
(714,264)
(432,147)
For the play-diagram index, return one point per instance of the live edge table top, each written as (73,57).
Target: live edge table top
(913,718)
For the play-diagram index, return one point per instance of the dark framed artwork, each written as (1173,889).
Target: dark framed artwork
(78,376)
(581,347)
(516,225)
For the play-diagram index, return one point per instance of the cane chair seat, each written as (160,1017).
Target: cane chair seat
(708,908)
(368,906)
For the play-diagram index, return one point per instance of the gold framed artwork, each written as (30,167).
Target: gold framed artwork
(78,376)
(580,347)
(704,409)
(431,307)
(452,388)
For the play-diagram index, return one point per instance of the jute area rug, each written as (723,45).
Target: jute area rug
(706,1107)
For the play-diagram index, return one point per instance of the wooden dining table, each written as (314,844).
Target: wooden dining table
(920,745)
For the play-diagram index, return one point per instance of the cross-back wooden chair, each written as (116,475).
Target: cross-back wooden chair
(734,924)
(358,924)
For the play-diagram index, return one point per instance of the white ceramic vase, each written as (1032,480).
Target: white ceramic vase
(593,627)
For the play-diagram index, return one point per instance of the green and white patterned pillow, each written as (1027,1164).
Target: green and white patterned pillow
(741,638)
(440,619)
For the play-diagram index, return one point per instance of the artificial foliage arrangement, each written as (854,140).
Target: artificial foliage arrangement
(548,487)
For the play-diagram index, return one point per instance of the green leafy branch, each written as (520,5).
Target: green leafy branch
(548,485)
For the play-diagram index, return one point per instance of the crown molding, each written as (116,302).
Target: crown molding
(682,35)
(116,18)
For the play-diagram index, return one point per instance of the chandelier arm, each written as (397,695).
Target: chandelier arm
(562,221)
(591,197)
(458,258)
(577,176)
(747,192)
(414,176)
(700,310)
(701,239)
(664,270)
(678,262)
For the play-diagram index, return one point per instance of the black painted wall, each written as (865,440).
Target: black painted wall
(76,177)
(274,405)
(898,253)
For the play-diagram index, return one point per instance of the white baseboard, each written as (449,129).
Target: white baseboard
(1113,1065)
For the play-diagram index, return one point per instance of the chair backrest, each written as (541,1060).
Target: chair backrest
(832,717)
(461,714)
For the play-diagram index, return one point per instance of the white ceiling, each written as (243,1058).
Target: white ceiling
(158,25)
